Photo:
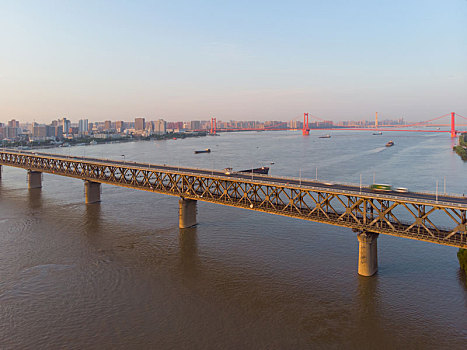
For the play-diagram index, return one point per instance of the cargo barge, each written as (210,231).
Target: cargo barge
(207,150)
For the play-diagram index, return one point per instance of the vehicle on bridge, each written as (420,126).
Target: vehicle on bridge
(415,215)
(401,189)
(381,187)
(263,170)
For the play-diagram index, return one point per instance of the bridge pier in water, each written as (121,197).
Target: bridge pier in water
(367,253)
(92,192)
(187,212)
(34,179)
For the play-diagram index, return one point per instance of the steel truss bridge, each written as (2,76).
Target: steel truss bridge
(420,216)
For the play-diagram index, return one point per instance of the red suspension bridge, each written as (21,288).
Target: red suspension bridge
(413,127)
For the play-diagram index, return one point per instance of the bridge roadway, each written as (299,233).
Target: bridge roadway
(407,196)
(421,216)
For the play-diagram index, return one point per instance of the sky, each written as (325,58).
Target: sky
(241,60)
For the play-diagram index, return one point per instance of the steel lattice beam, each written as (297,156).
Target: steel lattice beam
(438,223)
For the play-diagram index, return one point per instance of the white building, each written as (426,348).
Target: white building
(83,126)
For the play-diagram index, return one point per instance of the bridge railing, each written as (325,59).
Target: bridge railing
(360,210)
(258,178)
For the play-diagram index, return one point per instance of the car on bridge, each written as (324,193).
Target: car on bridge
(381,187)
(401,189)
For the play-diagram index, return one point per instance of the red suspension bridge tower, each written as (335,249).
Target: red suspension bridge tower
(306,128)
(453,124)
(213,125)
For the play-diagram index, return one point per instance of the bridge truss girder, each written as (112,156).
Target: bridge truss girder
(425,221)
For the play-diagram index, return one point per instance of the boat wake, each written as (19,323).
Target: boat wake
(376,150)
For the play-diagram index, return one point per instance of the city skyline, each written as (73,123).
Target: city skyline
(297,116)
(242,61)
(63,128)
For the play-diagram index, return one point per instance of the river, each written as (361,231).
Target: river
(122,275)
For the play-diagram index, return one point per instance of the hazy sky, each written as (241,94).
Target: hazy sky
(244,60)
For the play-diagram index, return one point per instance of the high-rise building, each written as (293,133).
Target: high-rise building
(195,125)
(13,124)
(83,126)
(58,131)
(160,127)
(296,124)
(50,131)
(120,126)
(39,131)
(150,127)
(65,124)
(175,125)
(107,125)
(12,132)
(139,124)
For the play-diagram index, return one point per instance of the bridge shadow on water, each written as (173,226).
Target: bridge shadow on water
(188,247)
(368,318)
(463,280)
(93,217)
(35,200)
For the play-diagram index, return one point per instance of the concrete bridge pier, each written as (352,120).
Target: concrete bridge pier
(187,212)
(92,192)
(34,179)
(367,253)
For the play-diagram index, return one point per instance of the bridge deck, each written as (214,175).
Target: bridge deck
(421,216)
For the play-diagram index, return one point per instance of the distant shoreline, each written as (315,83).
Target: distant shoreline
(461,148)
(90,141)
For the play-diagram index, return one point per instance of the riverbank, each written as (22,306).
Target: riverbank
(94,141)
(461,148)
